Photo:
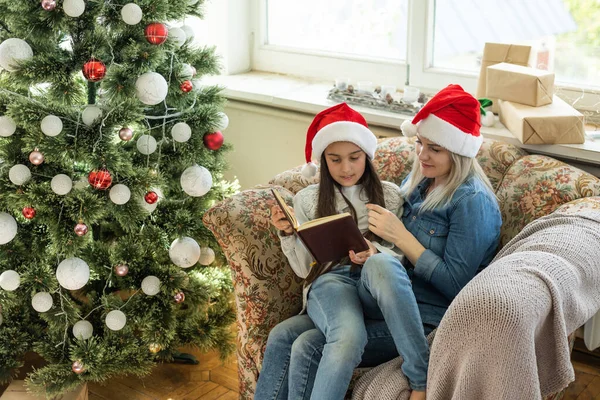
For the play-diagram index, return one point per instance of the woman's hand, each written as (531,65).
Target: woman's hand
(361,258)
(279,220)
(385,224)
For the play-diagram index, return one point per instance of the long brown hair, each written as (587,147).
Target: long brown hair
(326,205)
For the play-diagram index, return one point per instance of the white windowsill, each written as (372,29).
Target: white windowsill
(302,95)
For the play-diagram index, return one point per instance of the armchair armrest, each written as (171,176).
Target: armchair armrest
(266,289)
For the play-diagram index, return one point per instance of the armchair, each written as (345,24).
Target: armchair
(266,289)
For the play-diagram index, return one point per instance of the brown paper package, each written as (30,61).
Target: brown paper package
(496,53)
(554,123)
(529,86)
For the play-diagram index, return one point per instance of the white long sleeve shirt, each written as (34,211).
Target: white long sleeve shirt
(305,209)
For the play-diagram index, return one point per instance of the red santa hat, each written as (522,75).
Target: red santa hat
(339,123)
(451,119)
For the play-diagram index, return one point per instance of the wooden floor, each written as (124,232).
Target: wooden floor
(587,376)
(210,379)
(213,379)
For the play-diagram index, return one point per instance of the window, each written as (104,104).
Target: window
(427,43)
(372,28)
(564,35)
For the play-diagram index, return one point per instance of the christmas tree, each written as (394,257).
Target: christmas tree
(110,152)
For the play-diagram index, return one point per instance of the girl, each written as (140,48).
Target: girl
(339,136)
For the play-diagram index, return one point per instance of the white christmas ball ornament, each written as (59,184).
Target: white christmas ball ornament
(131,14)
(51,125)
(10,280)
(207,256)
(151,88)
(119,194)
(115,320)
(61,184)
(178,36)
(81,183)
(74,8)
(90,114)
(223,121)
(73,273)
(184,252)
(7,126)
(187,71)
(188,30)
(19,174)
(146,144)
(83,330)
(181,132)
(196,181)
(42,302)
(151,285)
(12,51)
(8,228)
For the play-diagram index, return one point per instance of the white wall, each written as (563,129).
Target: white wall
(267,141)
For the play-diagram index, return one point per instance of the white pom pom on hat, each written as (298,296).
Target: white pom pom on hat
(339,123)
(450,119)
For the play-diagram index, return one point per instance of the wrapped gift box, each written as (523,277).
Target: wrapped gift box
(17,391)
(529,86)
(496,53)
(554,123)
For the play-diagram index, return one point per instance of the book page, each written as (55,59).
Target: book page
(285,208)
(323,220)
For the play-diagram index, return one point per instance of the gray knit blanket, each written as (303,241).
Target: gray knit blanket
(505,336)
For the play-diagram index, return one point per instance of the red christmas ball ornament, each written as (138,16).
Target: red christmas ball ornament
(125,134)
(156,33)
(121,269)
(151,197)
(81,229)
(179,297)
(36,157)
(48,5)
(100,179)
(186,86)
(28,212)
(214,140)
(77,367)
(94,70)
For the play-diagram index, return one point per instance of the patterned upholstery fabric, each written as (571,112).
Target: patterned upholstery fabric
(536,186)
(266,289)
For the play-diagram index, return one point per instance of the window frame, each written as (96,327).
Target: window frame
(416,71)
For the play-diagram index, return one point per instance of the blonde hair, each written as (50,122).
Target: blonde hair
(462,169)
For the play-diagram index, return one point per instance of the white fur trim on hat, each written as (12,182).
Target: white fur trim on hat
(488,119)
(309,170)
(344,131)
(408,128)
(449,137)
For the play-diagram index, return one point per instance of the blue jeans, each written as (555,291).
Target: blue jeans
(386,294)
(295,346)
(294,350)
(335,308)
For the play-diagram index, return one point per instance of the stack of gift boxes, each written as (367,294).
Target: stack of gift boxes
(524,98)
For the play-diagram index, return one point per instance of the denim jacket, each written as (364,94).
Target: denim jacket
(460,239)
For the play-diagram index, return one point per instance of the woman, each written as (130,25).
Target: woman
(448,231)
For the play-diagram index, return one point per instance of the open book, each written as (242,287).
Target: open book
(327,238)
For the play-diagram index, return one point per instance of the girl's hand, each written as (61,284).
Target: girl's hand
(279,220)
(363,256)
(385,224)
